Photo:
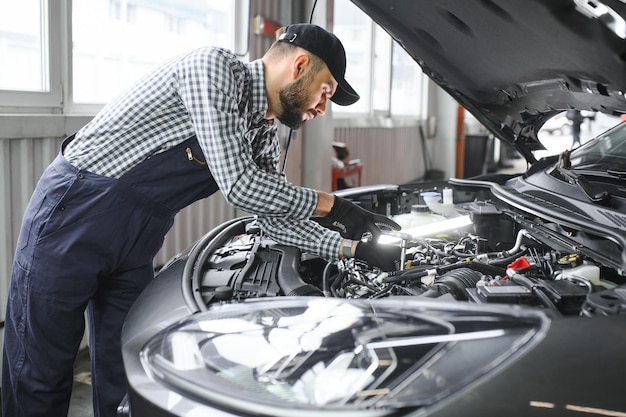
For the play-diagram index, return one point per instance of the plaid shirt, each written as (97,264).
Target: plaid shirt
(209,93)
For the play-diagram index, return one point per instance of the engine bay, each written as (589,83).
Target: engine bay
(498,255)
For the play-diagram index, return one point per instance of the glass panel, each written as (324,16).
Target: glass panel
(354,29)
(374,74)
(558,133)
(382,70)
(406,86)
(608,152)
(115,42)
(23,45)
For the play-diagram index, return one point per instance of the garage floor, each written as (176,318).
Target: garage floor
(80,405)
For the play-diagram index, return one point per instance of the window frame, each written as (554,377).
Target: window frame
(55,47)
(57,34)
(57,30)
(380,116)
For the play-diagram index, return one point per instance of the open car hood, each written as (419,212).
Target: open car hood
(514,64)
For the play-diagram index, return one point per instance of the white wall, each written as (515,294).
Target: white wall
(442,146)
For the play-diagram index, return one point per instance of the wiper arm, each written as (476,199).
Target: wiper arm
(616,173)
(592,192)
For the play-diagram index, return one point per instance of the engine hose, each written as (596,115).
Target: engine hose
(336,283)
(518,241)
(458,280)
(417,273)
(288,278)
(407,275)
(432,292)
(414,269)
(303,291)
(325,277)
(488,268)
(454,282)
(507,260)
(474,265)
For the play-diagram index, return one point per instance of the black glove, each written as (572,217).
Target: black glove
(352,221)
(386,257)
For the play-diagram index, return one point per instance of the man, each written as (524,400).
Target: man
(200,123)
(576,117)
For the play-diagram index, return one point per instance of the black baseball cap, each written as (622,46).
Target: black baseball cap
(329,49)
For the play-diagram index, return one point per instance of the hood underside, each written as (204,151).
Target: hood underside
(514,64)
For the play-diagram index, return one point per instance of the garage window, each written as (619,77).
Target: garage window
(111,53)
(73,56)
(389,81)
(23,46)
(29,55)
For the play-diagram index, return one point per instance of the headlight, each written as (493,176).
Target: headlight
(307,356)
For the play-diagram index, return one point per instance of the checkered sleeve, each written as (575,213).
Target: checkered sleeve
(307,235)
(211,85)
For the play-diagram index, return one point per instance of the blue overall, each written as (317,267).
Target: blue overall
(87,242)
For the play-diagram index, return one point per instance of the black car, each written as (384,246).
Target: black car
(510,295)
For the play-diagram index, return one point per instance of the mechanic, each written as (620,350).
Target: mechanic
(200,123)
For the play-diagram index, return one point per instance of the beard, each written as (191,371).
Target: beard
(293,101)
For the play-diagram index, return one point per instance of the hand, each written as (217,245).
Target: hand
(385,257)
(352,221)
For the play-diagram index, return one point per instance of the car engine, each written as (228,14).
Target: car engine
(496,257)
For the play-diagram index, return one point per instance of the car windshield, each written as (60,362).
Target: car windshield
(606,152)
(559,132)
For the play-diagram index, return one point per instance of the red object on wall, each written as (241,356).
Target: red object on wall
(460,141)
(263,26)
(347,171)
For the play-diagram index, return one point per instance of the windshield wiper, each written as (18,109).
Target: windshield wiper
(616,173)
(593,193)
